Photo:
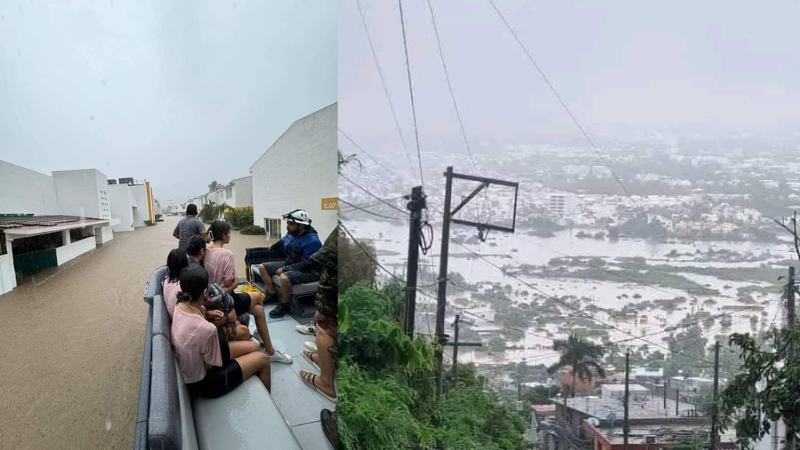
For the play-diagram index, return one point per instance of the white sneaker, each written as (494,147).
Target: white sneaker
(280,357)
(306,329)
(311,346)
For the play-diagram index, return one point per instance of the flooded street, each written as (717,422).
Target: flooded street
(72,355)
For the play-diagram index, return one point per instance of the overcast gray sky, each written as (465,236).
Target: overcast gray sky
(716,66)
(179,93)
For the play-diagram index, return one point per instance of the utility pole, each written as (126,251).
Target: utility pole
(790,321)
(441,295)
(415,205)
(455,348)
(714,408)
(625,427)
(447,218)
(677,401)
(666,386)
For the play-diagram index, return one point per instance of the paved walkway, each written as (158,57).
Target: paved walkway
(71,353)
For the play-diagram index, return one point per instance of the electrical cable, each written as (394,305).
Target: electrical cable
(366,191)
(560,99)
(411,93)
(368,211)
(383,83)
(450,87)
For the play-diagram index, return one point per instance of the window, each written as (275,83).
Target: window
(3,250)
(273,227)
(228,192)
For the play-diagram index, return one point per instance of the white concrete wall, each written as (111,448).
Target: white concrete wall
(8,279)
(243,192)
(140,213)
(24,191)
(78,192)
(298,170)
(74,249)
(122,203)
(103,235)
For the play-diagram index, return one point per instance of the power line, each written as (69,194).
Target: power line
(383,83)
(449,86)
(360,148)
(558,97)
(411,92)
(576,309)
(368,211)
(371,194)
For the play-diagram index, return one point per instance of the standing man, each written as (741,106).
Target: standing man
(190,226)
(301,241)
(327,332)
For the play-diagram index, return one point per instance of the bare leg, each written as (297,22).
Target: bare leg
(256,363)
(286,289)
(267,279)
(242,333)
(327,368)
(239,348)
(257,311)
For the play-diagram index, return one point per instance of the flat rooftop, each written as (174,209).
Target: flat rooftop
(650,408)
(664,434)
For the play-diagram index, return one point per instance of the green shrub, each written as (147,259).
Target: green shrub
(254,229)
(240,218)
(149,223)
(208,212)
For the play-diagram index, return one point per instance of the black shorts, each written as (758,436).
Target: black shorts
(294,276)
(219,380)
(241,302)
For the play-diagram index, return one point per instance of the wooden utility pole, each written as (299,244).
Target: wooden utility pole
(714,408)
(447,219)
(415,205)
(626,429)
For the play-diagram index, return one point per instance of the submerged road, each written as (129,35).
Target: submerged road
(71,351)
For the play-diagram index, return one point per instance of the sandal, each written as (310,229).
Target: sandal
(307,355)
(308,378)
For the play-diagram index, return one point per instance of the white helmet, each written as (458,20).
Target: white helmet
(298,216)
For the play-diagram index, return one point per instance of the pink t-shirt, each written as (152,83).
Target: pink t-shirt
(171,295)
(219,263)
(194,341)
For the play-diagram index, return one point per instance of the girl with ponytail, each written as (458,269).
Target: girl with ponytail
(220,264)
(210,368)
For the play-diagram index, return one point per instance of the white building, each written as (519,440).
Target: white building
(299,171)
(82,193)
(236,194)
(133,205)
(46,221)
(24,191)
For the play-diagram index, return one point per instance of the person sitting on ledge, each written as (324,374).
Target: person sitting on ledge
(299,243)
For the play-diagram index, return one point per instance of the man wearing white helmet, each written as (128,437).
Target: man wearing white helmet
(301,241)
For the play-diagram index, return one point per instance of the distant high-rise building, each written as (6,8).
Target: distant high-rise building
(558,204)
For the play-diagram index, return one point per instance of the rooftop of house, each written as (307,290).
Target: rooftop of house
(32,222)
(640,407)
(659,434)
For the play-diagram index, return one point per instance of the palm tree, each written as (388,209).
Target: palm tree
(581,355)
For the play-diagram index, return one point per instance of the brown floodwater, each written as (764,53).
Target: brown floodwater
(71,355)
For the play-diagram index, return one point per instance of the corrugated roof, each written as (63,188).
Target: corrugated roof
(39,221)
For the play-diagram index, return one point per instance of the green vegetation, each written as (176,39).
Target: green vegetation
(207,212)
(240,218)
(387,386)
(253,230)
(766,388)
(149,223)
